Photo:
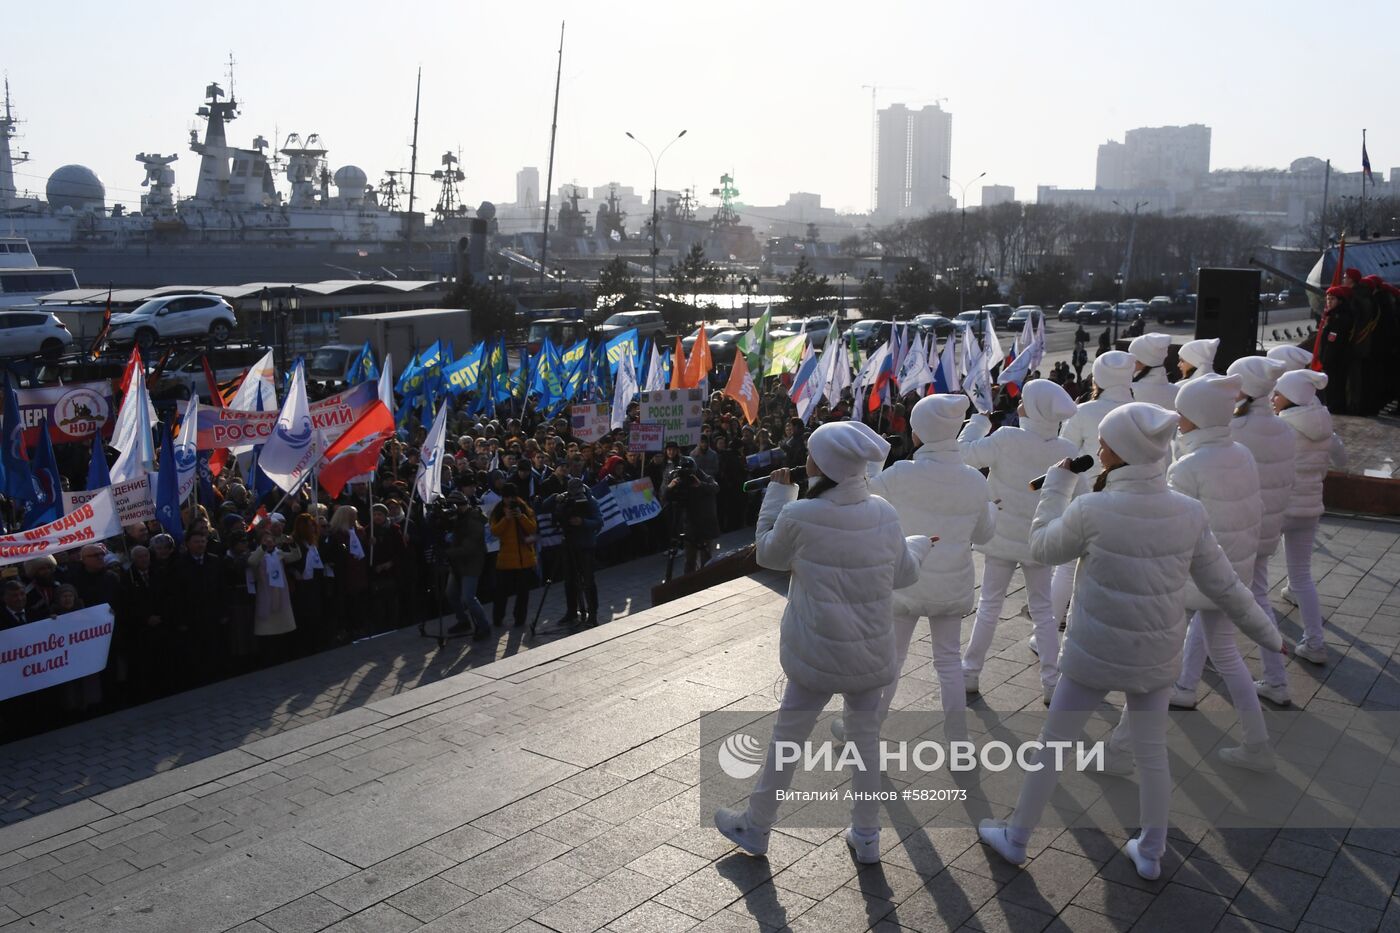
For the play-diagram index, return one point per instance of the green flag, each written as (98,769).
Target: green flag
(787,355)
(754,343)
(855,353)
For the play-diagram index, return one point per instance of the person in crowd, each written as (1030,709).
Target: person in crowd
(348,545)
(388,551)
(273,620)
(97,583)
(1013,457)
(196,581)
(42,590)
(706,459)
(465,551)
(513,523)
(1196,359)
(1150,375)
(1120,638)
(847,555)
(691,495)
(1291,357)
(1334,337)
(577,515)
(310,582)
(14,612)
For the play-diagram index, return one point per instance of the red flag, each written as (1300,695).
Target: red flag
(130,371)
(1316,364)
(215,396)
(334,475)
(680,368)
(258,518)
(700,363)
(377,419)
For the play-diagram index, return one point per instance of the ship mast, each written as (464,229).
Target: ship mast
(413,158)
(8,191)
(549,172)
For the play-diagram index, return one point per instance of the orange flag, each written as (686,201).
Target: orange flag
(680,368)
(700,361)
(741,388)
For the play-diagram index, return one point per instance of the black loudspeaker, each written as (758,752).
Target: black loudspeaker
(1227,306)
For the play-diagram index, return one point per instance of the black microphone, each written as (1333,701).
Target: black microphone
(1079,464)
(796,474)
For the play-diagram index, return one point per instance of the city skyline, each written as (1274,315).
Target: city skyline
(1036,119)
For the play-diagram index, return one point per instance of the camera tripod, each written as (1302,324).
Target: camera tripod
(574,578)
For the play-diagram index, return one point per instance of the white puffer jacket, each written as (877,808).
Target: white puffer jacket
(1271,443)
(1153,387)
(937,494)
(1137,543)
(1013,457)
(1083,426)
(847,555)
(1219,473)
(1317,448)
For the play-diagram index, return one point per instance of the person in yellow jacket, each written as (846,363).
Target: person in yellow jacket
(513,523)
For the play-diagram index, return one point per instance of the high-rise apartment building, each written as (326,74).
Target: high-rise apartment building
(914,152)
(1175,158)
(527,187)
(992,195)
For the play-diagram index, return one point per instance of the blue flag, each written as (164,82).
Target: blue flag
(625,342)
(98,476)
(363,367)
(411,379)
(464,374)
(168,489)
(19,483)
(46,502)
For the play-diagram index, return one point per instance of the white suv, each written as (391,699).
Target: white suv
(25,333)
(175,316)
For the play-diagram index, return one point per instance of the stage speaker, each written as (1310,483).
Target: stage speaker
(1227,306)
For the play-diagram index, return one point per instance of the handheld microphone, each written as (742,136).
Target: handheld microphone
(1079,464)
(796,474)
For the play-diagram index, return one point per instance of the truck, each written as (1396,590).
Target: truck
(401,333)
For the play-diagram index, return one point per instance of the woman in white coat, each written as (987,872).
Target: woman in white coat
(1195,359)
(1014,457)
(1220,474)
(1150,380)
(1137,543)
(939,495)
(1317,447)
(847,556)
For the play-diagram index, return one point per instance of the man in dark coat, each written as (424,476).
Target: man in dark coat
(465,552)
(198,577)
(579,518)
(692,495)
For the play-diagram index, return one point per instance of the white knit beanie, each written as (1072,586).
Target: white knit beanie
(1209,402)
(1301,386)
(1139,432)
(1150,349)
(841,449)
(1114,368)
(1259,373)
(1200,353)
(938,417)
(1046,402)
(1293,357)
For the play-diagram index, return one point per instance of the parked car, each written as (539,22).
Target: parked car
(1094,312)
(648,324)
(935,324)
(26,333)
(870,334)
(816,329)
(1068,310)
(1001,314)
(971,318)
(561,331)
(1285,296)
(722,343)
(1166,311)
(228,363)
(1033,312)
(175,316)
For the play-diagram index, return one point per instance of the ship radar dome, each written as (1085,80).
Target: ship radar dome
(487,211)
(351,180)
(75,186)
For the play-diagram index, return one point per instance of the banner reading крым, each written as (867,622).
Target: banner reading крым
(225,427)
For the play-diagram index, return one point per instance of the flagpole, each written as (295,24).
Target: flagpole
(1364,159)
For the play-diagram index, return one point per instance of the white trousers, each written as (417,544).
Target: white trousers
(996,577)
(1061,589)
(1070,709)
(1211,632)
(1299,534)
(945,634)
(797,716)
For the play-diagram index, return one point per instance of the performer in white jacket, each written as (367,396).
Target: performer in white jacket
(1195,359)
(939,495)
(1293,358)
(1317,447)
(1150,381)
(1137,543)
(1220,474)
(847,555)
(1014,457)
(1271,444)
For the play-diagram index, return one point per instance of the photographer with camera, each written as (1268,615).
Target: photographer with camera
(578,516)
(464,548)
(691,495)
(513,523)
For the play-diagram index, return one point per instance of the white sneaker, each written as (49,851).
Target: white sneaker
(1288,596)
(994,833)
(1047,693)
(1254,757)
(970,682)
(1116,763)
(1317,654)
(838,728)
(1149,869)
(734,826)
(1274,693)
(1182,698)
(1035,650)
(867,851)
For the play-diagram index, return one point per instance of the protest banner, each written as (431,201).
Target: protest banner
(90,522)
(225,427)
(637,500)
(591,422)
(54,651)
(679,411)
(74,411)
(132,498)
(642,438)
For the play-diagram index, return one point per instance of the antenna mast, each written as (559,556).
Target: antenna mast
(413,158)
(549,172)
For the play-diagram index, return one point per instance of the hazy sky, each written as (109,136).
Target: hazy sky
(768,90)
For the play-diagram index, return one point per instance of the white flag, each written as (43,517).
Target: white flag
(186,450)
(289,453)
(991,345)
(625,389)
(838,378)
(132,433)
(656,379)
(386,382)
(950,364)
(428,483)
(978,381)
(913,372)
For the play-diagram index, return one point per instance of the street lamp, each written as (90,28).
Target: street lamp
(1126,271)
(655,161)
(1122,284)
(283,305)
(962,236)
(748,287)
(842,277)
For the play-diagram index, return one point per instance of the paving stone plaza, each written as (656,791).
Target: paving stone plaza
(388,787)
